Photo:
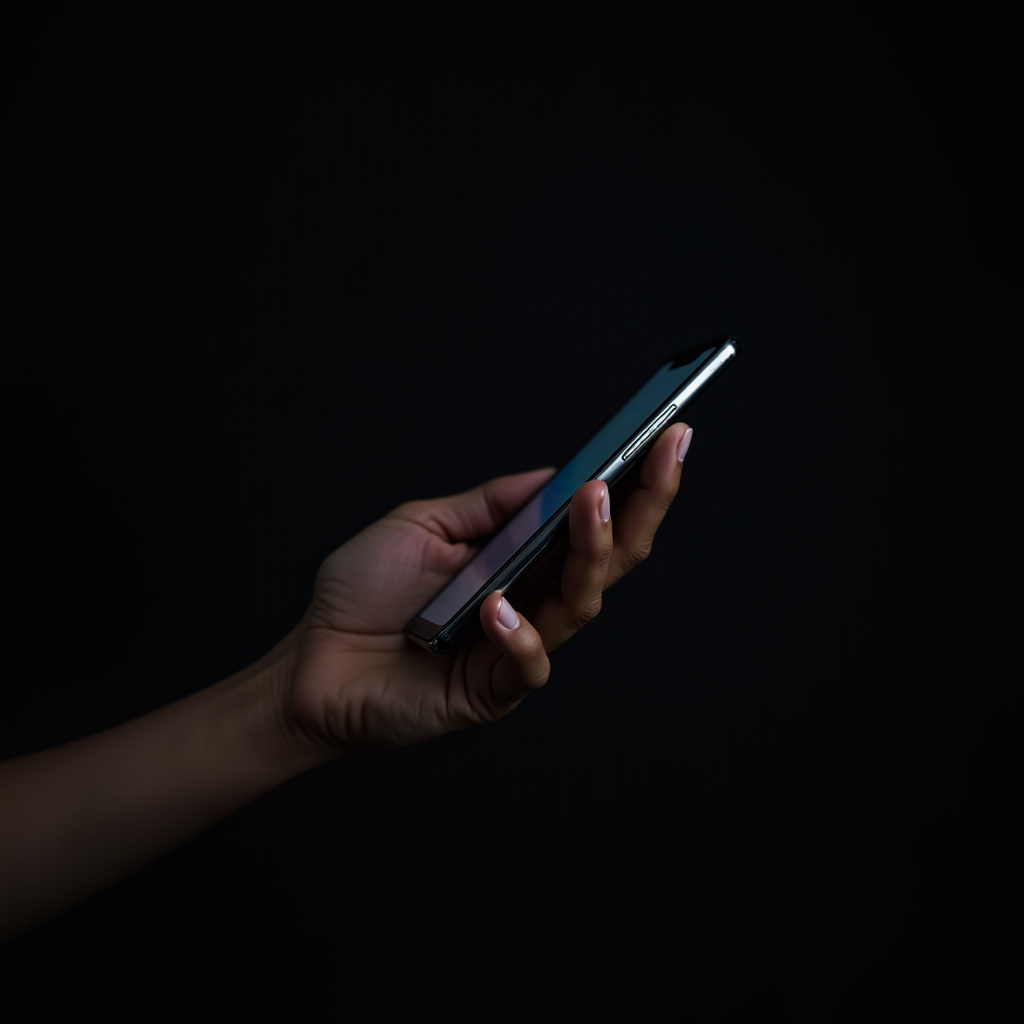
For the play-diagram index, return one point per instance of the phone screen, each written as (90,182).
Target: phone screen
(556,494)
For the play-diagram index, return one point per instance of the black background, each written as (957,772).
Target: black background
(270,270)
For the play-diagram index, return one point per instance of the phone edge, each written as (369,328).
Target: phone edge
(442,642)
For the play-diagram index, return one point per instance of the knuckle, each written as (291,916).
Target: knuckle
(539,676)
(409,509)
(587,613)
(637,556)
(536,674)
(479,710)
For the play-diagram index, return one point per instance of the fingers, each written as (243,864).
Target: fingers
(640,515)
(523,666)
(584,574)
(597,557)
(481,510)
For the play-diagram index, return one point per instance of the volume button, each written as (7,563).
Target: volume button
(647,433)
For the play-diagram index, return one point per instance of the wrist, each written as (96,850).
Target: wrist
(274,737)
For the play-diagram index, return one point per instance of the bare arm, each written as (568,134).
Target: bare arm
(78,817)
(75,819)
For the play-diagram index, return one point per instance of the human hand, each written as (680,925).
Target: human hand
(358,681)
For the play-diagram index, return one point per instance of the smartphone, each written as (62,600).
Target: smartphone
(607,456)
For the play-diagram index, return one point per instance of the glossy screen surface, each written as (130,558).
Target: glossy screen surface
(583,466)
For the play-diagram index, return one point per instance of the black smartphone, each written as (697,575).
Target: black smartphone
(607,456)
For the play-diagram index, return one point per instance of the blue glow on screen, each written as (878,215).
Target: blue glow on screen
(583,466)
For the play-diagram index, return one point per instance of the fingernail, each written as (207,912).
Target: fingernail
(507,615)
(684,445)
(605,511)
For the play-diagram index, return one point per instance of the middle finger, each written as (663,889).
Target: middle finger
(578,598)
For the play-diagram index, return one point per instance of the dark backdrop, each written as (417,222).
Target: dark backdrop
(270,270)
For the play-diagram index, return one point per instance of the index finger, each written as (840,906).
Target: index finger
(639,517)
(480,511)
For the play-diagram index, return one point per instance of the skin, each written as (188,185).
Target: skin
(345,679)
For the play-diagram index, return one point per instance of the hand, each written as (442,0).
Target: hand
(359,682)
(346,678)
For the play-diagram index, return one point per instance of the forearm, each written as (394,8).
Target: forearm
(79,817)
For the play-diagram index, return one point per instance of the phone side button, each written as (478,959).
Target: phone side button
(647,433)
